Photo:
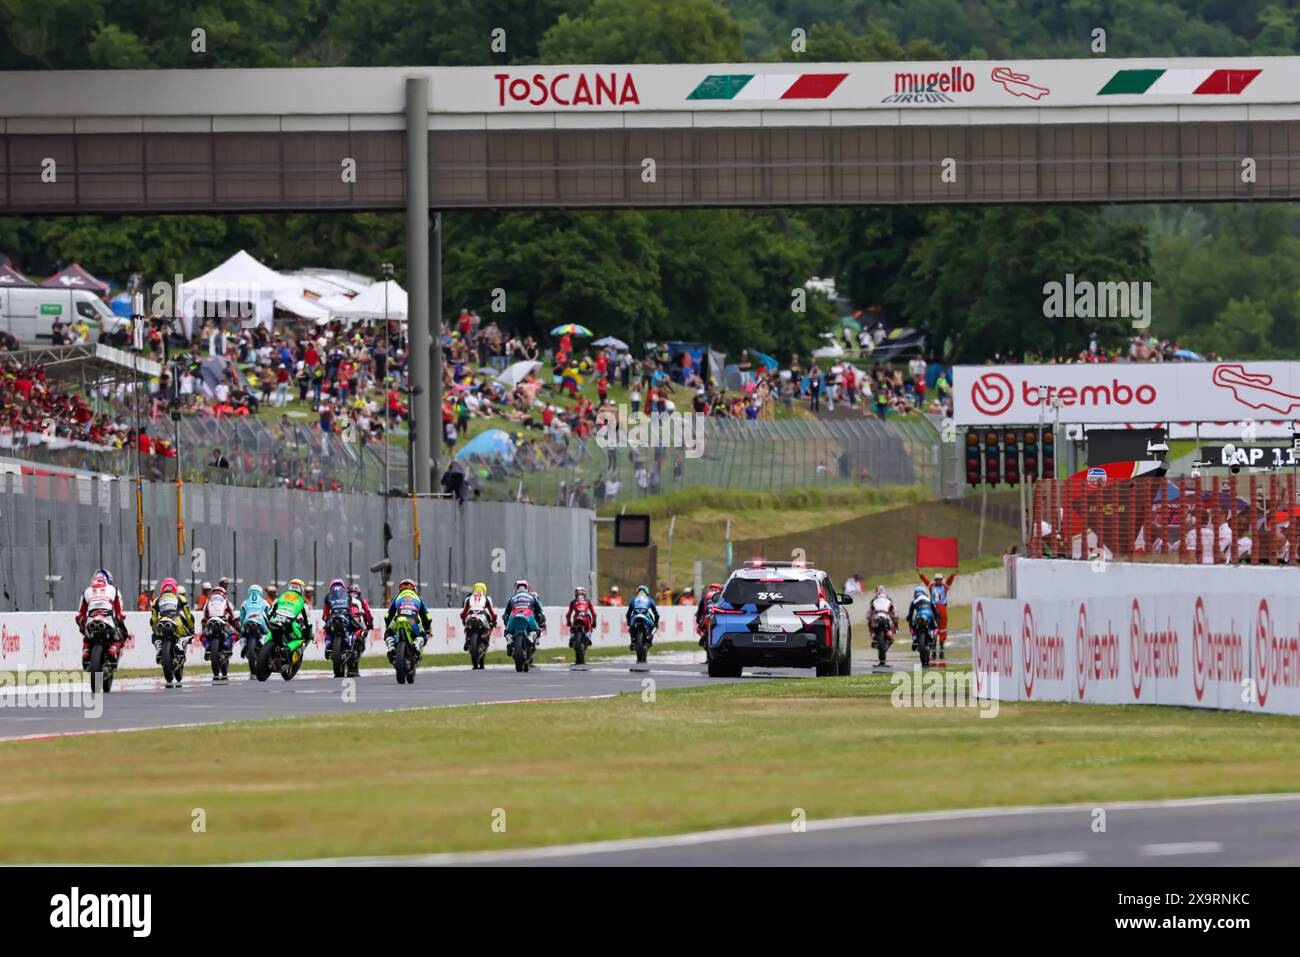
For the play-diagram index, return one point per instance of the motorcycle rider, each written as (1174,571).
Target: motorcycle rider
(338,602)
(407,604)
(255,608)
(170,604)
(580,609)
(702,612)
(361,614)
(292,604)
(218,606)
(478,600)
(882,604)
(643,604)
(921,607)
(102,595)
(522,611)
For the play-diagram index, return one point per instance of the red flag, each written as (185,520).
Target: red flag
(936,552)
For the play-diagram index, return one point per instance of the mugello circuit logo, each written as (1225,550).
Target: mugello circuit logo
(1216,656)
(567,89)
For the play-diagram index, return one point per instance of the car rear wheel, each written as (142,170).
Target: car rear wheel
(720,669)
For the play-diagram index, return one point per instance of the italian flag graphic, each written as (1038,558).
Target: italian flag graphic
(1205,82)
(767,86)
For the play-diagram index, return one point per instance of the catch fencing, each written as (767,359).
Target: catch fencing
(1248,519)
(771,455)
(68,526)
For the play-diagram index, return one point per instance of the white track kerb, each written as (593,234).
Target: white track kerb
(1225,636)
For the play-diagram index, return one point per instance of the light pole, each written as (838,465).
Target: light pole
(386,270)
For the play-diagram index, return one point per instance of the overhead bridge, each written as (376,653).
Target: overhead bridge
(1098,130)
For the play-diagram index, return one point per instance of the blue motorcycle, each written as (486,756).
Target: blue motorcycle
(923,632)
(643,630)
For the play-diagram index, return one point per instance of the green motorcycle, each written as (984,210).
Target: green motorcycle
(406,650)
(283,651)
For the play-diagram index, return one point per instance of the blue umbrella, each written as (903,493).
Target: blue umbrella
(1189,355)
(764,358)
(488,444)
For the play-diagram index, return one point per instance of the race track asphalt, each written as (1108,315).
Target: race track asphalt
(1209,832)
(140,704)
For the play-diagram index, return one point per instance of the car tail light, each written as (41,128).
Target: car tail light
(726,611)
(825,615)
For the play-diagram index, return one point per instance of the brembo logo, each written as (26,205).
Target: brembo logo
(1043,653)
(567,89)
(1152,654)
(992,652)
(1216,656)
(992,394)
(1097,655)
(1277,659)
(9,642)
(50,641)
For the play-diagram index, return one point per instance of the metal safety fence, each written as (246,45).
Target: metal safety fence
(55,530)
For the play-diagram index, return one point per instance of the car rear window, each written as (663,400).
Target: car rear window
(749,591)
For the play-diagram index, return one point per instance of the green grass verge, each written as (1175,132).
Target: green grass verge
(693,759)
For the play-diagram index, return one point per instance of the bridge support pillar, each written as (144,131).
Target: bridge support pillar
(417,281)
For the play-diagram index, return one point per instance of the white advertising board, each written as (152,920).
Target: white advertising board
(50,641)
(1126,392)
(1141,634)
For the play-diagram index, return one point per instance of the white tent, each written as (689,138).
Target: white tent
(240,279)
(372,304)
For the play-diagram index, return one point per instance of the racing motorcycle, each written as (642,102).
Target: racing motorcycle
(101,632)
(171,649)
(406,651)
(478,633)
(580,636)
(643,631)
(251,634)
(523,646)
(344,645)
(923,638)
(283,653)
(881,625)
(214,633)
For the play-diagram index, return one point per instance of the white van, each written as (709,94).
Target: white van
(29,314)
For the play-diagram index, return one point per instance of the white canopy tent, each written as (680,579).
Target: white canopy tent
(383,299)
(242,279)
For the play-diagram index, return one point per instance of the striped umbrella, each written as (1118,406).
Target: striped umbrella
(571,329)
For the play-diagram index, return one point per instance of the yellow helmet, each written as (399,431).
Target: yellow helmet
(480,587)
(297,585)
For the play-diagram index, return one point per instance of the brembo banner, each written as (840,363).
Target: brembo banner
(1187,647)
(50,641)
(1120,392)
